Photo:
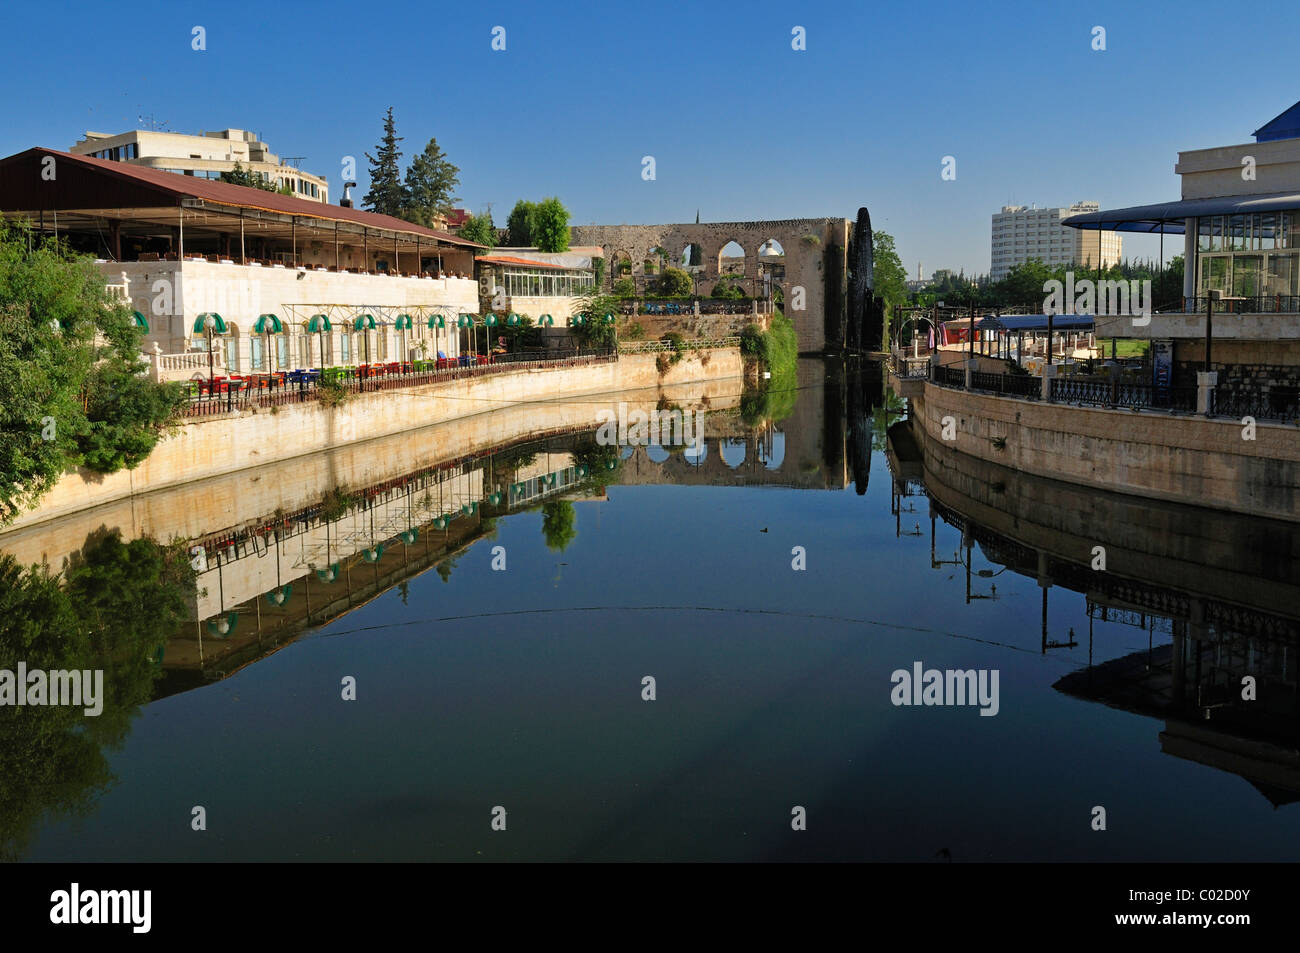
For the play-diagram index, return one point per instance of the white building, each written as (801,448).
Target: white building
(206,156)
(1021,234)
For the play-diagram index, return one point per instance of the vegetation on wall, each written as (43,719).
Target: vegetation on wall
(777,350)
(73,388)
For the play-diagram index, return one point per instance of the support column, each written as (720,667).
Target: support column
(1206,382)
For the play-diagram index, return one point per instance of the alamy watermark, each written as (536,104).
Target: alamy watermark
(930,686)
(637,428)
(84,689)
(1085,296)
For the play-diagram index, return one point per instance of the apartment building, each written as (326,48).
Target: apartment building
(1022,233)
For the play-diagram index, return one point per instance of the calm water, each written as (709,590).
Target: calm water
(523,689)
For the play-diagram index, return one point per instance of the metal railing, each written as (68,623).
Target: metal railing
(950,375)
(274,390)
(1015,385)
(1248,304)
(1275,403)
(907,367)
(655,347)
(1117,392)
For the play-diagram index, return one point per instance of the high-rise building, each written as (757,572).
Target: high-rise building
(205,156)
(1020,234)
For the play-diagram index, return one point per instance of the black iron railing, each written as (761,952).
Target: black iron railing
(273,390)
(1246,304)
(1013,385)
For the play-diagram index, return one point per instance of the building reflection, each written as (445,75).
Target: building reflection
(1215,594)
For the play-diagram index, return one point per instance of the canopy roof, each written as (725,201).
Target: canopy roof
(100,187)
(1032,322)
(1170,217)
(1283,126)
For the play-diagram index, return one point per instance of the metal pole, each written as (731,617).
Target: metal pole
(336,246)
(242,259)
(1209,329)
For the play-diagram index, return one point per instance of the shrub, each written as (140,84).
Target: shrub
(332,393)
(634,331)
(625,288)
(724,290)
(751,340)
(675,282)
(678,344)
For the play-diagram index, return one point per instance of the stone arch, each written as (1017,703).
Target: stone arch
(725,262)
(732,451)
(692,256)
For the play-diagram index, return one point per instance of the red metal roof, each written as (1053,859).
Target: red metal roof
(507,260)
(15,186)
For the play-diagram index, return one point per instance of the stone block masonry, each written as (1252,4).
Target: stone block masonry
(1186,459)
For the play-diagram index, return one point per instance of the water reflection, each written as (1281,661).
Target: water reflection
(1215,596)
(617,561)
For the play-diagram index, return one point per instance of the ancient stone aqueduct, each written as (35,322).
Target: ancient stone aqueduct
(815,249)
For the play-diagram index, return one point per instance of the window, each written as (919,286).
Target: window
(345,348)
(255,353)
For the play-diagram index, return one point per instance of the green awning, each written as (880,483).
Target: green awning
(466,320)
(437,321)
(279,595)
(403,322)
(140,321)
(491,320)
(364,322)
(210,320)
(319,322)
(221,626)
(546,321)
(373,554)
(267,324)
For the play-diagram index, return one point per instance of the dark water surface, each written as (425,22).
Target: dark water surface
(522,688)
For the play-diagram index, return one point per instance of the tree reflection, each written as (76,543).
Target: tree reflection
(113,609)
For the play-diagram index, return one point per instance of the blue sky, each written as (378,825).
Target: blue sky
(741,125)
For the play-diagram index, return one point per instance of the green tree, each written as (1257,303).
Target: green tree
(247,177)
(550,226)
(625,288)
(888,271)
(387,195)
(71,392)
(520,224)
(430,181)
(595,331)
(479,229)
(675,283)
(559,524)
